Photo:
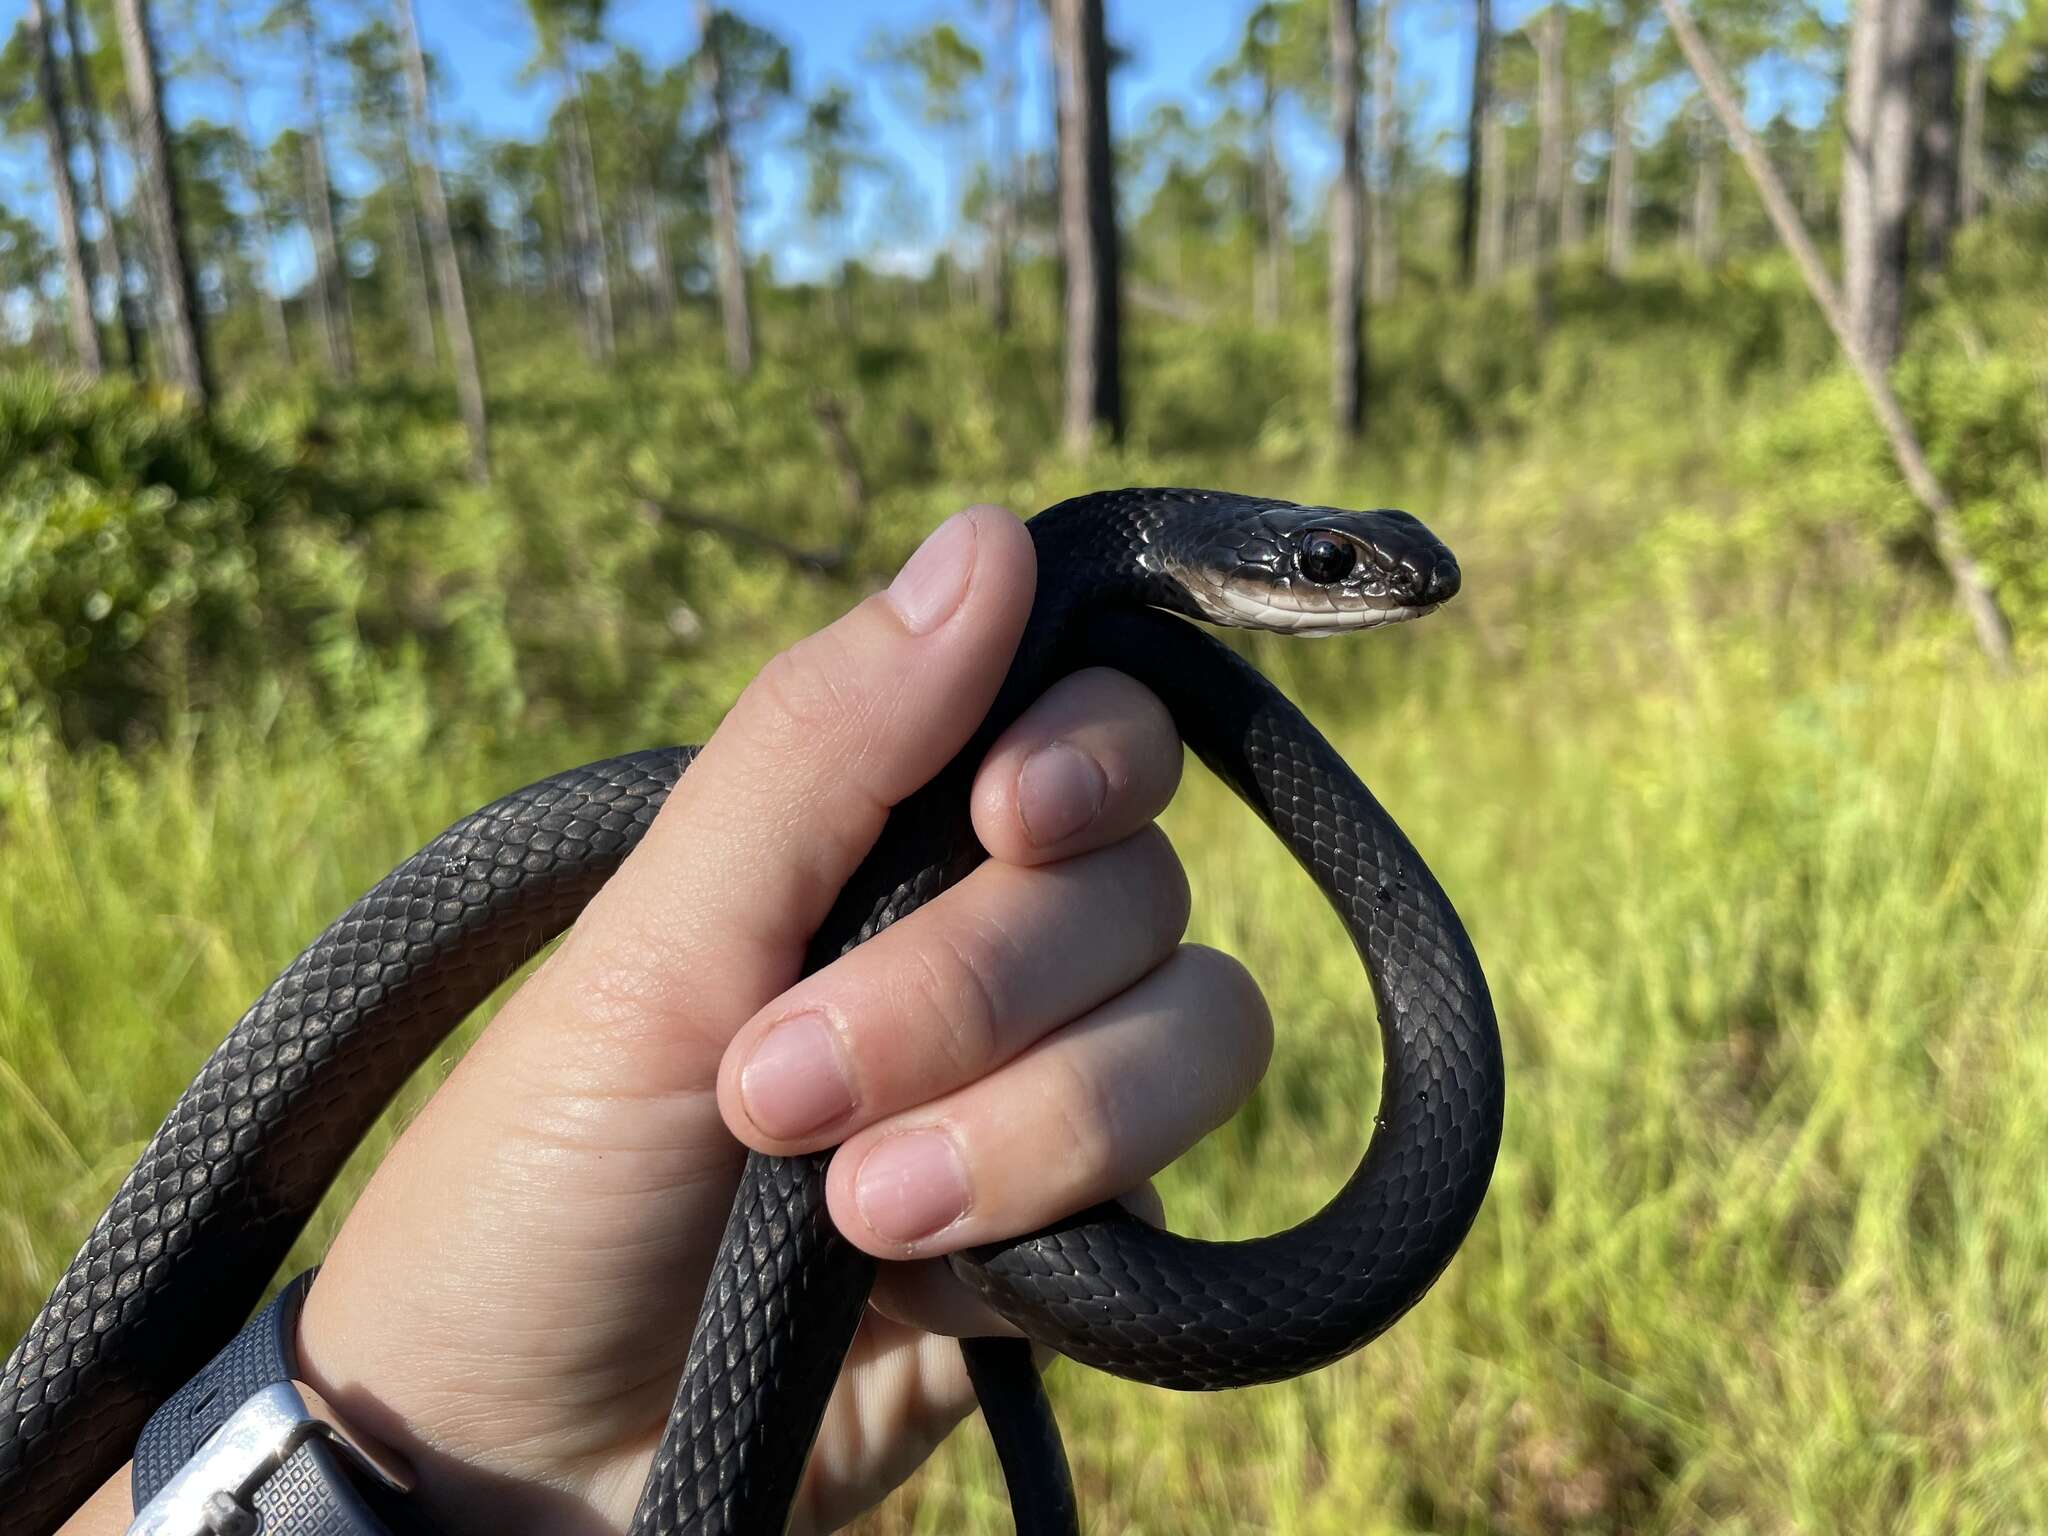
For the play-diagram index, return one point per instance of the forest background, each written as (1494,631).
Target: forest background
(395,407)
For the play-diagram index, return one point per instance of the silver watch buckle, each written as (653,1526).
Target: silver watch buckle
(213,1493)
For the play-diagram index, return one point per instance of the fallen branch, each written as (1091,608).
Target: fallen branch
(1994,634)
(813,562)
(830,416)
(833,560)
(1172,305)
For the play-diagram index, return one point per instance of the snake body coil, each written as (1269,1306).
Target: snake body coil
(200,1226)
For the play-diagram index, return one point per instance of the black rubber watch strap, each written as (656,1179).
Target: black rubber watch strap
(316,1490)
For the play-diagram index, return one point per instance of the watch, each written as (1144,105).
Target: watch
(239,1451)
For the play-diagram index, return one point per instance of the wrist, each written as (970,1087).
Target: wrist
(340,1395)
(107,1513)
(462,1482)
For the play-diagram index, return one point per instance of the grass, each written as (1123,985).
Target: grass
(1762,1252)
(1750,846)
(1763,1248)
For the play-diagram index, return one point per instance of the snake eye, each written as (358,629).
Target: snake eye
(1327,559)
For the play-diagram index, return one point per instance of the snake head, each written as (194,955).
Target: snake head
(1256,564)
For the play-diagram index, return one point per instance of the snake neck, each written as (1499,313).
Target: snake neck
(1103,550)
(1139,547)
(1095,552)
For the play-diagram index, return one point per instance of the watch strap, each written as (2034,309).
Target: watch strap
(240,1435)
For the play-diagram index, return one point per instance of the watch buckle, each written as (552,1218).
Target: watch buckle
(213,1493)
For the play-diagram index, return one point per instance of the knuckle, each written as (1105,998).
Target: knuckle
(1154,883)
(1234,1002)
(1117,696)
(1145,739)
(618,992)
(1145,715)
(951,999)
(822,848)
(1082,1106)
(806,694)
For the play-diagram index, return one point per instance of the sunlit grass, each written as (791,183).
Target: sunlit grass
(1763,1250)
(1764,1246)
(1750,845)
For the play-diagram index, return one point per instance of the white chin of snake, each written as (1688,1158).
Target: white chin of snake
(1241,610)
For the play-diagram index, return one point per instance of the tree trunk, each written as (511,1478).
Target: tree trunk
(594,257)
(113,259)
(269,288)
(1706,195)
(45,335)
(1347,310)
(1268,296)
(1088,240)
(1862,76)
(574,275)
(1894,142)
(554,251)
(842,299)
(1386,105)
(185,326)
(1621,182)
(149,261)
(1970,195)
(469,382)
(1877,170)
(1813,198)
(1937,89)
(1525,236)
(662,280)
(616,246)
(269,299)
(1493,188)
(725,211)
(1469,212)
(79,277)
(954,151)
(1994,636)
(1003,226)
(337,328)
(1550,133)
(419,302)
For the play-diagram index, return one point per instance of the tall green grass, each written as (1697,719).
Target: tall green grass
(1764,1246)
(1749,843)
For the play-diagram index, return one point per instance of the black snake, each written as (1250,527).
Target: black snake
(200,1226)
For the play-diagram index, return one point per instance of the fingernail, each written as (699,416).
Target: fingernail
(794,1084)
(934,579)
(1059,791)
(911,1186)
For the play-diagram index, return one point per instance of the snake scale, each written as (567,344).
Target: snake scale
(198,1229)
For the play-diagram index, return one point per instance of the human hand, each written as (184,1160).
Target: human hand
(508,1305)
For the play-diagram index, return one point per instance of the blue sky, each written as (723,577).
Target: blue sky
(486,46)
(1174,44)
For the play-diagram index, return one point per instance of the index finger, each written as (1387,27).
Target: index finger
(709,917)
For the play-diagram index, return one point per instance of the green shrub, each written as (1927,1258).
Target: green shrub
(1974,386)
(142,550)
(1682,442)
